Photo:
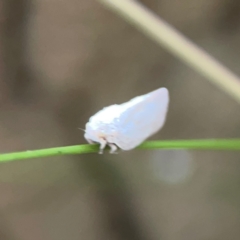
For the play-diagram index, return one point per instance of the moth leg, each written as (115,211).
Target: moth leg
(103,144)
(113,148)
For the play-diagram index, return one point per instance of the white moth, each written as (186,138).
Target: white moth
(127,125)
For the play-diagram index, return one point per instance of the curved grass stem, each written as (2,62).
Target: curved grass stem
(171,39)
(199,144)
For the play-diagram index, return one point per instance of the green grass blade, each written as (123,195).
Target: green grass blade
(207,144)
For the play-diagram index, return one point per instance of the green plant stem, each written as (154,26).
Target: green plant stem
(208,144)
(166,36)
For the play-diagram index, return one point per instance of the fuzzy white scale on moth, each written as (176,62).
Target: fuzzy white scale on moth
(127,125)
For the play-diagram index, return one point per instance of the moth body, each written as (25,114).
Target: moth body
(127,125)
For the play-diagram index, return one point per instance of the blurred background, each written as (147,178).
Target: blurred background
(60,62)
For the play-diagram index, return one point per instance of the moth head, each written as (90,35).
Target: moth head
(92,134)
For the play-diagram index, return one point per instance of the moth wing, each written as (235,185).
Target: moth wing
(141,117)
